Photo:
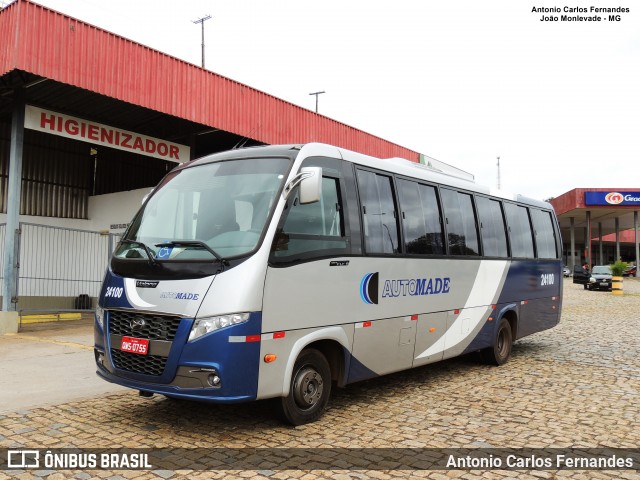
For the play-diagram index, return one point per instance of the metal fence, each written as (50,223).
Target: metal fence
(62,262)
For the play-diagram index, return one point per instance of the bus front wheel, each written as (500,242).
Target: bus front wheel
(499,353)
(309,389)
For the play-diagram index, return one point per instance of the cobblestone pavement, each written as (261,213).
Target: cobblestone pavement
(577,385)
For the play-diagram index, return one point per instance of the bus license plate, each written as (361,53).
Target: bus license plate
(139,346)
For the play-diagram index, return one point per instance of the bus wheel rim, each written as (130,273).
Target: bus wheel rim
(307,388)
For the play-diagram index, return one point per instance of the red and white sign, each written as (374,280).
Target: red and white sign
(97,133)
(139,346)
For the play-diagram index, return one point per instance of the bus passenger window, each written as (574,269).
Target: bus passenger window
(378,213)
(492,231)
(544,233)
(314,228)
(519,231)
(461,223)
(421,218)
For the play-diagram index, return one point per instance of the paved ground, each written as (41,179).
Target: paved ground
(577,385)
(49,364)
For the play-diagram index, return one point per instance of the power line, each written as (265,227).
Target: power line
(201,22)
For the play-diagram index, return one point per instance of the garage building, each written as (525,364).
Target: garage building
(90,121)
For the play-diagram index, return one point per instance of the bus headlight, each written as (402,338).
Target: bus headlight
(100,316)
(205,325)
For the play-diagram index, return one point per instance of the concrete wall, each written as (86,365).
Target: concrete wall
(104,211)
(112,209)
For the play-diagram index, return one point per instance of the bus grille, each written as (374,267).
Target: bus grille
(147,364)
(156,327)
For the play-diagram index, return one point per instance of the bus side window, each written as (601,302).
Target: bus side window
(421,218)
(462,234)
(313,229)
(544,233)
(519,231)
(378,213)
(492,229)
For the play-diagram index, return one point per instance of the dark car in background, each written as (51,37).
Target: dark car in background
(600,278)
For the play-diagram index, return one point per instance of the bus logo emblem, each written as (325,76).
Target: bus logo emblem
(369,288)
(138,324)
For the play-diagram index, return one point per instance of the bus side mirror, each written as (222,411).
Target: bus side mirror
(311,184)
(310,181)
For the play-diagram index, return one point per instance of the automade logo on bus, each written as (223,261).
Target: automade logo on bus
(401,287)
(614,198)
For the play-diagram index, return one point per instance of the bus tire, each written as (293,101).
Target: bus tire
(309,390)
(500,352)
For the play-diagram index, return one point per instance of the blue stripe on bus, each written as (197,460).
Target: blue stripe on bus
(358,371)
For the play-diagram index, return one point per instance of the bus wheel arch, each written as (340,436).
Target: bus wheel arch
(332,342)
(512,318)
(500,351)
(334,352)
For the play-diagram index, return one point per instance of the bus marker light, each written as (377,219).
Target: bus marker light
(493,307)
(490,319)
(456,312)
(269,357)
(253,338)
(432,329)
(366,324)
(278,335)
(414,317)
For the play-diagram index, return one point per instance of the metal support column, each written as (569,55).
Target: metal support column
(635,238)
(587,241)
(13,204)
(600,254)
(572,231)
(617,240)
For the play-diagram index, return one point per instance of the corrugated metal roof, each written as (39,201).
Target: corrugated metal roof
(49,44)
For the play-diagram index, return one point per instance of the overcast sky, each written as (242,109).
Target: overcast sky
(460,81)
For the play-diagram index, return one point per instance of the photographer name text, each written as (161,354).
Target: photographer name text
(581,14)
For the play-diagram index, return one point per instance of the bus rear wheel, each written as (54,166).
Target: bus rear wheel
(500,352)
(309,389)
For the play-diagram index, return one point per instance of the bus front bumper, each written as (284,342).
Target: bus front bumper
(190,383)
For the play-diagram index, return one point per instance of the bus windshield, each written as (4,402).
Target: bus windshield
(206,212)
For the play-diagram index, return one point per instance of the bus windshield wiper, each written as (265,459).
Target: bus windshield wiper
(194,243)
(147,250)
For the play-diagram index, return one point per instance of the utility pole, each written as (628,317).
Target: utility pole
(201,22)
(498,173)
(316,94)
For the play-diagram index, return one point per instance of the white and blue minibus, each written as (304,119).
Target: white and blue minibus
(282,271)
